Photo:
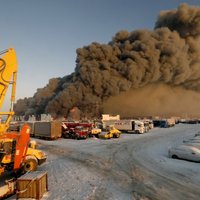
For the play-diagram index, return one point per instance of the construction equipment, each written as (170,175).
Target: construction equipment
(15,154)
(111,132)
(96,131)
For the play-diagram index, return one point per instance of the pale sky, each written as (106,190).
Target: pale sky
(46,33)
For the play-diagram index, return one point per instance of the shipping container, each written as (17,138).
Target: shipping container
(32,185)
(48,130)
(32,125)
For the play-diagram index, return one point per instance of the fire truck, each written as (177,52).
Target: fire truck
(76,130)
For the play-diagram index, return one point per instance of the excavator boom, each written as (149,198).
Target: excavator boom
(15,154)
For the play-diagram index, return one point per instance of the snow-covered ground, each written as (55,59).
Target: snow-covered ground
(131,167)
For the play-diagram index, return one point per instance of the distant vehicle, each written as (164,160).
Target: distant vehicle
(129,125)
(148,124)
(79,132)
(105,135)
(76,130)
(96,131)
(163,123)
(185,152)
(111,132)
(192,121)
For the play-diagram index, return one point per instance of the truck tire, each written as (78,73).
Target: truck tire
(137,132)
(116,136)
(174,156)
(30,164)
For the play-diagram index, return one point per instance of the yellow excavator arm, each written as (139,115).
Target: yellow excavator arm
(15,155)
(8,76)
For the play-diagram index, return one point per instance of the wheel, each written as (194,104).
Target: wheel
(116,136)
(174,156)
(30,164)
(65,134)
(137,132)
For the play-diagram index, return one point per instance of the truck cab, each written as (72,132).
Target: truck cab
(138,126)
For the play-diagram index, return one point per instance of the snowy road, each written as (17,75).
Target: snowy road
(131,167)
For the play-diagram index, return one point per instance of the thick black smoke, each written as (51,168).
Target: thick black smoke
(170,54)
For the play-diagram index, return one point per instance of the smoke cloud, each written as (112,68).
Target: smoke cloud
(155,100)
(169,55)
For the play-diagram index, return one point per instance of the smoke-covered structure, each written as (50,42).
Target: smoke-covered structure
(169,55)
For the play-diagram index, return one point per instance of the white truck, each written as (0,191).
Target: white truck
(148,124)
(129,125)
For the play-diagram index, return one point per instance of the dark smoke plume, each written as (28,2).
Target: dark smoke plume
(170,54)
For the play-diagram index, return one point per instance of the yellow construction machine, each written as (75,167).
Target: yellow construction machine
(15,154)
(111,132)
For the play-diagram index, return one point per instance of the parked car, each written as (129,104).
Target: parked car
(185,152)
